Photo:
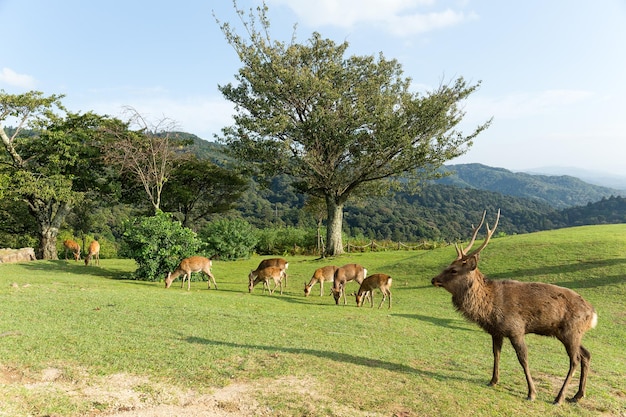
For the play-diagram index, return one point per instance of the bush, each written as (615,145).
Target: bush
(228,239)
(157,244)
(285,240)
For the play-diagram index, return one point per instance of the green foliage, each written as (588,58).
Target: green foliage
(157,244)
(228,239)
(283,240)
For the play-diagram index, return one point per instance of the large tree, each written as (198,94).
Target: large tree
(50,161)
(340,125)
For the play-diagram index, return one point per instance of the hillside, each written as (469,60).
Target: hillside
(557,191)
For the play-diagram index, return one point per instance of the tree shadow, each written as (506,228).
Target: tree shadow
(334,356)
(78,268)
(440,322)
(570,268)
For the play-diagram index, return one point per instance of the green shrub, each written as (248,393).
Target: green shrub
(157,244)
(283,240)
(228,239)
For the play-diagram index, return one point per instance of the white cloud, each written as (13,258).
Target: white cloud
(12,78)
(399,17)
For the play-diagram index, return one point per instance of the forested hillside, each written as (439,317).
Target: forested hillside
(445,209)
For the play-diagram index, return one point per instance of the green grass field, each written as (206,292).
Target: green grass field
(87,341)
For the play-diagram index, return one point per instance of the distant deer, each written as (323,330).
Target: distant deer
(189,265)
(369,284)
(73,247)
(512,309)
(344,274)
(321,275)
(276,262)
(94,252)
(264,275)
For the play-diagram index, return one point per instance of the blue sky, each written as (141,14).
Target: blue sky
(553,72)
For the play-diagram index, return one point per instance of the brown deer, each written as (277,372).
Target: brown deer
(264,275)
(321,275)
(189,265)
(344,274)
(73,247)
(369,284)
(511,309)
(94,252)
(276,262)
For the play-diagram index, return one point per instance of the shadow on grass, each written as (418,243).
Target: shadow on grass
(334,356)
(78,268)
(448,323)
(570,268)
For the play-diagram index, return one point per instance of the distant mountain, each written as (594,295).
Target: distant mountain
(592,177)
(557,191)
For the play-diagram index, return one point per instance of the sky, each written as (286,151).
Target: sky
(552,73)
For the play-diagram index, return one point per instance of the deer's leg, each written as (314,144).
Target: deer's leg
(496,342)
(322,288)
(574,352)
(522,356)
(585,359)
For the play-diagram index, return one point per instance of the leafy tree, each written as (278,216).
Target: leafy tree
(158,244)
(339,125)
(50,160)
(228,239)
(198,188)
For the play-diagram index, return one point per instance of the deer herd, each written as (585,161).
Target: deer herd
(502,308)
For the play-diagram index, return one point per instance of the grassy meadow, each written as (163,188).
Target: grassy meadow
(70,333)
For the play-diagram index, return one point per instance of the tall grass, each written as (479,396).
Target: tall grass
(418,359)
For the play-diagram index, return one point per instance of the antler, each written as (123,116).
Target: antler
(489,234)
(462,252)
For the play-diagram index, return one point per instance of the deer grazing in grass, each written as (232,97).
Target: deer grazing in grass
(511,309)
(264,275)
(189,265)
(93,252)
(72,247)
(369,284)
(275,262)
(344,274)
(321,275)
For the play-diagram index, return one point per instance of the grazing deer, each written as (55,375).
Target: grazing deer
(321,275)
(265,275)
(348,272)
(511,309)
(275,262)
(369,284)
(189,265)
(73,247)
(94,251)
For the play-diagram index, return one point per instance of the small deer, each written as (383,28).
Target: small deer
(321,275)
(264,275)
(511,309)
(73,247)
(275,262)
(189,265)
(94,252)
(348,272)
(369,284)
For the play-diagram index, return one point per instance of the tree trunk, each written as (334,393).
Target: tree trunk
(334,241)
(50,215)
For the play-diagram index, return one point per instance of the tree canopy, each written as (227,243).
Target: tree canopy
(338,124)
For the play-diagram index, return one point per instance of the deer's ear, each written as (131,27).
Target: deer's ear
(472,262)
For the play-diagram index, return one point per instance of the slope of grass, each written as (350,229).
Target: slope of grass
(418,359)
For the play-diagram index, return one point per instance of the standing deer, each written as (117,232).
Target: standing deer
(369,284)
(264,275)
(348,272)
(512,309)
(189,265)
(275,262)
(73,247)
(94,251)
(321,275)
